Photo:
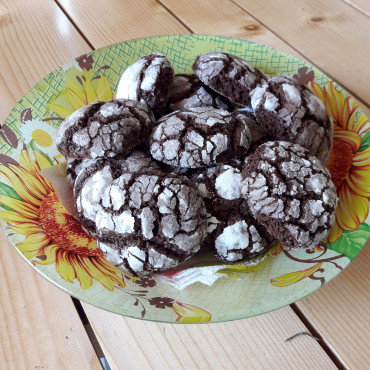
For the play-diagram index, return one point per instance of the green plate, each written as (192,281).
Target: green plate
(55,245)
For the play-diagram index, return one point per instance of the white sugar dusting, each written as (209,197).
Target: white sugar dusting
(228,183)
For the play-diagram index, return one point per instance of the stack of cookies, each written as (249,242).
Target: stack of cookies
(225,159)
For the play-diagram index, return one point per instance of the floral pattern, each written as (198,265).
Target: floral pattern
(349,161)
(56,245)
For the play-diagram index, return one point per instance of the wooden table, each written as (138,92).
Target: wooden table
(42,327)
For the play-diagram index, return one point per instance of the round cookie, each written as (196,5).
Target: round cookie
(228,75)
(188,92)
(148,211)
(240,237)
(220,188)
(104,129)
(291,112)
(149,81)
(290,193)
(199,137)
(101,173)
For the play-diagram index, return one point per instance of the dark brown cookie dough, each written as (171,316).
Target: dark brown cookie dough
(104,129)
(258,133)
(149,81)
(199,137)
(291,112)
(228,75)
(188,92)
(151,212)
(290,193)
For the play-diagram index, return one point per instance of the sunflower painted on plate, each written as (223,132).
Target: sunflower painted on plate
(349,159)
(81,88)
(32,209)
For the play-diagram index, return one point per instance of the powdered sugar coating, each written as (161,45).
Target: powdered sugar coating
(290,193)
(228,75)
(148,80)
(134,162)
(199,137)
(104,129)
(291,112)
(151,211)
(188,92)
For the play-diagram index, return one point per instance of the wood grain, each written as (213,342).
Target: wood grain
(39,325)
(340,312)
(331,34)
(253,343)
(361,5)
(113,21)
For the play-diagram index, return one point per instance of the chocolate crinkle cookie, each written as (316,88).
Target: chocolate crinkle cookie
(153,220)
(290,111)
(240,237)
(290,193)
(104,129)
(188,92)
(199,137)
(228,75)
(149,81)
(100,173)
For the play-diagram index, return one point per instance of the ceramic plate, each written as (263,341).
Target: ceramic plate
(55,245)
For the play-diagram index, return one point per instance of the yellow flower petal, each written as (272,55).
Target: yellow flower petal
(27,228)
(14,218)
(82,275)
(104,90)
(97,274)
(294,277)
(361,159)
(22,208)
(316,89)
(38,240)
(63,266)
(89,90)
(362,124)
(76,96)
(188,313)
(50,252)
(61,110)
(334,234)
(352,209)
(41,160)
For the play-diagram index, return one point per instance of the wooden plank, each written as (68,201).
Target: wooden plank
(340,312)
(256,343)
(112,21)
(39,325)
(331,34)
(361,5)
